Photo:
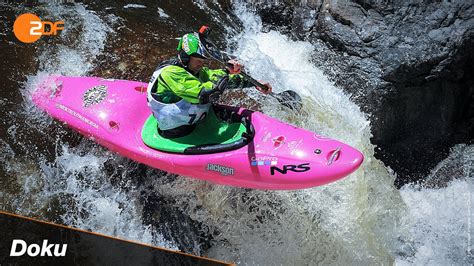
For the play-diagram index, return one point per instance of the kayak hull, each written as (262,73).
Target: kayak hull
(280,157)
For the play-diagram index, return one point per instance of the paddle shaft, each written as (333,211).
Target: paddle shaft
(283,98)
(248,77)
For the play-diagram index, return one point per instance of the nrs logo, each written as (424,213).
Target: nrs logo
(294,168)
(19,248)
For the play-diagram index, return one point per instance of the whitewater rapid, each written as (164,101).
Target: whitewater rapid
(362,219)
(76,181)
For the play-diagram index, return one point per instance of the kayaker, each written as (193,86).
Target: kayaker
(182,89)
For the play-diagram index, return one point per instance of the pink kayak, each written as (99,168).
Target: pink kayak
(269,154)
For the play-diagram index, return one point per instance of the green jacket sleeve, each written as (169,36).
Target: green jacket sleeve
(183,84)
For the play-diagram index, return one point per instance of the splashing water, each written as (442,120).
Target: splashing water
(75,188)
(361,219)
(82,41)
(440,219)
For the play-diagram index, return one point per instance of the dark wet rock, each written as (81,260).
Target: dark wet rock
(143,38)
(407,65)
(175,224)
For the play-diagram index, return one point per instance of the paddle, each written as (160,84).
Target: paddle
(287,98)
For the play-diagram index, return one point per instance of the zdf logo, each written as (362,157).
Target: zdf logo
(29,28)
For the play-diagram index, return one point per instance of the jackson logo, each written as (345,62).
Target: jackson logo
(295,168)
(19,248)
(223,170)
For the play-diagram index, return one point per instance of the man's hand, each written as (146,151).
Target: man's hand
(233,66)
(266,90)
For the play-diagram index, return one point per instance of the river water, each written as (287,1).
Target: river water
(52,173)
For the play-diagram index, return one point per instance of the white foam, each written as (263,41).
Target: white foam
(76,180)
(134,6)
(350,221)
(84,38)
(361,219)
(92,202)
(162,13)
(440,220)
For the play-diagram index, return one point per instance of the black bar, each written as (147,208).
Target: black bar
(83,248)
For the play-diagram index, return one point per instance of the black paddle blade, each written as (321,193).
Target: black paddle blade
(290,99)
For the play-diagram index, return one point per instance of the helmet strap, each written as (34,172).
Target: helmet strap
(183,58)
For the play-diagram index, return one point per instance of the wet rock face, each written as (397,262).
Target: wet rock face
(407,65)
